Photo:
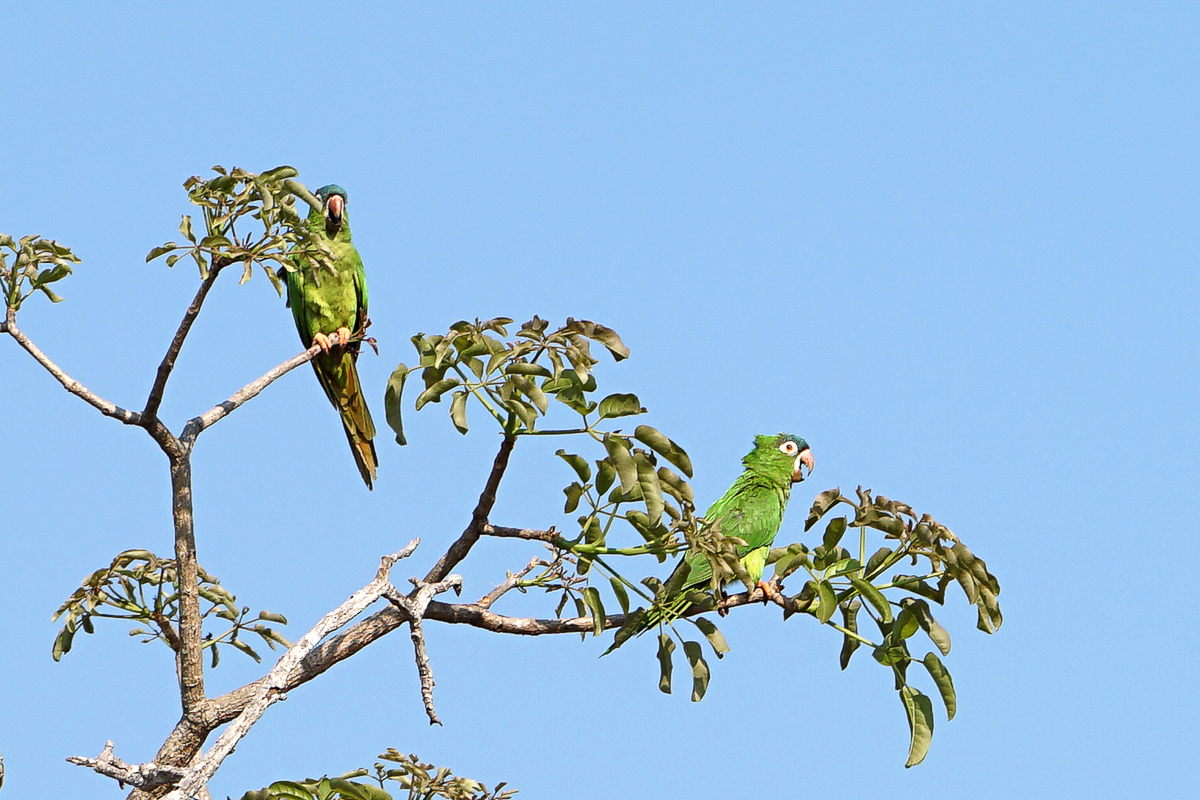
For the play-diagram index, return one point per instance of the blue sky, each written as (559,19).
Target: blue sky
(952,245)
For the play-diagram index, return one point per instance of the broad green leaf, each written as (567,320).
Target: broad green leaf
(665,647)
(850,623)
(573,493)
(591,597)
(606,473)
(919,710)
(700,672)
(666,448)
(681,489)
(651,490)
(458,411)
(523,368)
(62,642)
(907,623)
(719,645)
(604,335)
(158,251)
(579,464)
(391,402)
(247,649)
(530,389)
(622,595)
(821,505)
(874,597)
(937,634)
(828,601)
(618,453)
(876,561)
(270,617)
(619,405)
(941,677)
(434,393)
(833,532)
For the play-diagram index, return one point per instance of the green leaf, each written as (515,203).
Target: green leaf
(937,634)
(719,645)
(606,473)
(622,595)
(941,678)
(680,488)
(458,411)
(573,493)
(619,405)
(651,490)
(821,505)
(919,710)
(391,402)
(185,227)
(591,597)
(874,597)
(247,649)
(62,642)
(579,464)
(531,390)
(828,601)
(618,453)
(833,532)
(434,393)
(850,623)
(665,648)
(666,448)
(700,671)
(523,368)
(604,335)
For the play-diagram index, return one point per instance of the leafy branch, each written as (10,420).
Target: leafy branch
(142,588)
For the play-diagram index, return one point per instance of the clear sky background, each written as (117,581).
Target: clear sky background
(952,245)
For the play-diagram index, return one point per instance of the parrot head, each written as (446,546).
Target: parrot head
(334,199)
(782,453)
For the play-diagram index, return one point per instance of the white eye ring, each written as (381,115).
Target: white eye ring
(789,448)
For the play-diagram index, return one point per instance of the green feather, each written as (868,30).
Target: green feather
(323,301)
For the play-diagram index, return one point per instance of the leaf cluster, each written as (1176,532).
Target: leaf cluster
(274,241)
(846,583)
(513,380)
(141,587)
(31,265)
(418,780)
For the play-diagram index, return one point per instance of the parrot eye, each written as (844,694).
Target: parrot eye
(788,448)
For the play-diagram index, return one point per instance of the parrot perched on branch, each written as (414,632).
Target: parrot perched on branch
(750,510)
(324,303)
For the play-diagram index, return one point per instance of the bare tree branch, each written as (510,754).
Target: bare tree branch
(154,400)
(487,498)
(73,386)
(509,584)
(549,536)
(272,687)
(199,424)
(143,776)
(414,605)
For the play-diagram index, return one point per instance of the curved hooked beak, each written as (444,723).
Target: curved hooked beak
(805,459)
(334,208)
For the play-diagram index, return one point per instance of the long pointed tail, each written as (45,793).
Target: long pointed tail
(339,379)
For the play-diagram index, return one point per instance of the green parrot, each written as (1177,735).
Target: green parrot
(751,510)
(322,304)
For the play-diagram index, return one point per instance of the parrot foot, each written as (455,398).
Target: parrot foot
(343,334)
(322,341)
(770,591)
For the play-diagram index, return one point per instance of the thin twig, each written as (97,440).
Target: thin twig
(143,776)
(414,605)
(154,400)
(533,534)
(509,584)
(199,424)
(487,498)
(73,386)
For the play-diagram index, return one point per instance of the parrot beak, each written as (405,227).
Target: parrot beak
(334,208)
(805,459)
